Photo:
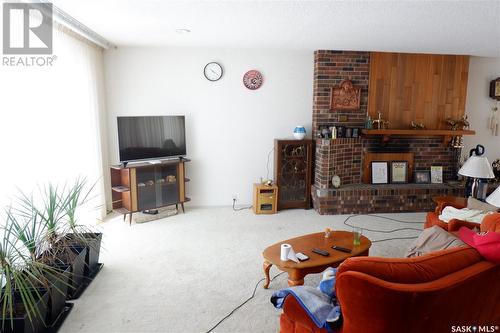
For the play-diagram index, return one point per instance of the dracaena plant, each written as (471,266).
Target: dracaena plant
(49,209)
(28,229)
(21,277)
(74,197)
(45,214)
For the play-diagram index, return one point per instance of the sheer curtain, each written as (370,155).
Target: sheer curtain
(52,121)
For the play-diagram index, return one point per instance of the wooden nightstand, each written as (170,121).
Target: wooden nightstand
(265,199)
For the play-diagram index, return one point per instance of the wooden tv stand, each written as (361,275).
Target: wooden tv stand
(142,186)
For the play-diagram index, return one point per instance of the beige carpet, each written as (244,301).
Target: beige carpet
(185,272)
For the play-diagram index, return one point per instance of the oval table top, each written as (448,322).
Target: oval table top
(306,243)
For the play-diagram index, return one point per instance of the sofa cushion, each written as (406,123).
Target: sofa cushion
(432,239)
(486,243)
(473,203)
(421,269)
(491,222)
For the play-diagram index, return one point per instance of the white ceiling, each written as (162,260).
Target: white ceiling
(454,27)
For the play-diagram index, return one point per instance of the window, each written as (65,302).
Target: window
(50,120)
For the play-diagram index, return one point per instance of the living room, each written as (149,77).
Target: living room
(250,166)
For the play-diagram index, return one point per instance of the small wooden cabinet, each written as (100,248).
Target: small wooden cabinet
(144,186)
(293,172)
(265,199)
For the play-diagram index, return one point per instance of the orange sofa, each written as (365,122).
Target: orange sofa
(490,222)
(432,218)
(430,293)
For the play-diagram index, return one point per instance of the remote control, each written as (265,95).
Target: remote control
(321,252)
(301,256)
(342,249)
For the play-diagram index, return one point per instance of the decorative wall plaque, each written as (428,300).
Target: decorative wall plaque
(345,97)
(253,79)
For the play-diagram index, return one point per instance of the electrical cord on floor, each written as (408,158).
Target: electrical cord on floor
(345,223)
(240,208)
(245,302)
(385,231)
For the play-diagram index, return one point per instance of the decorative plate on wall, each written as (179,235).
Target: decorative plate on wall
(253,79)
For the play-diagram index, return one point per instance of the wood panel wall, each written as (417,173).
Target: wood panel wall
(424,88)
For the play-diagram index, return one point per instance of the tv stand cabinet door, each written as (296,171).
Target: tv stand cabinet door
(167,185)
(146,188)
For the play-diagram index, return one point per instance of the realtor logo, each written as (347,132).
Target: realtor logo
(27,28)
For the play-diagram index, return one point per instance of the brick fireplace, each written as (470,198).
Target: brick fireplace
(344,156)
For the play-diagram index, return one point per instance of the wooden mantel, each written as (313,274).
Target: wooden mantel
(447,135)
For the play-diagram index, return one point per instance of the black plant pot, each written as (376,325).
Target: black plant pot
(92,242)
(77,263)
(21,323)
(58,292)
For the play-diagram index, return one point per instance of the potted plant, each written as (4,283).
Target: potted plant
(76,196)
(30,232)
(50,209)
(23,302)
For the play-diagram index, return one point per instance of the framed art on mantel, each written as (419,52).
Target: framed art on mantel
(399,172)
(422,177)
(380,174)
(436,174)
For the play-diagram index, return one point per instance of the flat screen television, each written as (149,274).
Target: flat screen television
(151,137)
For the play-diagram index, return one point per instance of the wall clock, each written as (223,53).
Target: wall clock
(213,71)
(253,79)
(336,181)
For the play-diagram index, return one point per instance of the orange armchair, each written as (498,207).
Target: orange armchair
(432,218)
(492,222)
(430,293)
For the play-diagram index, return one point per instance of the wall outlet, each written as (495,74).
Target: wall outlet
(235,197)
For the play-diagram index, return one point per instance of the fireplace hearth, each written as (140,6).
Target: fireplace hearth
(348,157)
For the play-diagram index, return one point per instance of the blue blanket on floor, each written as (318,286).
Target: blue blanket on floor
(319,303)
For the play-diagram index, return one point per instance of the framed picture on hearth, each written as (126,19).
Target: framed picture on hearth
(436,174)
(399,172)
(380,172)
(422,177)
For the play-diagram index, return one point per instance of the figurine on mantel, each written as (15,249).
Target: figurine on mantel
(369,123)
(417,126)
(381,123)
(458,124)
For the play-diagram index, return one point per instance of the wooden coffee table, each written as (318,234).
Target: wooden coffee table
(316,262)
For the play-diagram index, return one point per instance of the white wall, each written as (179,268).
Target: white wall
(229,129)
(481,72)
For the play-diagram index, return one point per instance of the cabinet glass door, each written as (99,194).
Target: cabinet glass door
(293,173)
(167,185)
(146,192)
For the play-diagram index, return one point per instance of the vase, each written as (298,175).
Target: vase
(299,132)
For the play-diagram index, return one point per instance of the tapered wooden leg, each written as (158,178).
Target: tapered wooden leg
(130,219)
(176,206)
(182,206)
(124,217)
(295,278)
(267,266)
